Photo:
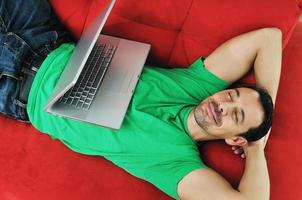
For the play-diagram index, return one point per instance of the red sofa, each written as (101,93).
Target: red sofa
(33,166)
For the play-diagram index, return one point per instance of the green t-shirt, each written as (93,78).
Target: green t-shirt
(153,142)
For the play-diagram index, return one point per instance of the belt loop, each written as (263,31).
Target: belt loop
(34,69)
(28,71)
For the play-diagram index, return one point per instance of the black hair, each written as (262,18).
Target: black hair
(256,133)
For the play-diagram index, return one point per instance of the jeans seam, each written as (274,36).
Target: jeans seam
(2,21)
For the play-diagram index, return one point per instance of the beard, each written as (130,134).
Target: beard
(200,119)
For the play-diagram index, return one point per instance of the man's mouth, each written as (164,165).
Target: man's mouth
(211,112)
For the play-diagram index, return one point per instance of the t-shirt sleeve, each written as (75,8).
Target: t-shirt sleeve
(197,81)
(164,170)
(166,176)
(211,80)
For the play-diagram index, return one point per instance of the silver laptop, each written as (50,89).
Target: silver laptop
(98,81)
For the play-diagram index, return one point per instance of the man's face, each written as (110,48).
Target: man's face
(230,112)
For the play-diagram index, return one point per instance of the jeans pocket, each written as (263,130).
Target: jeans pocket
(13,51)
(8,92)
(13,42)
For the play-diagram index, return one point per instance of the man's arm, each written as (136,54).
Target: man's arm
(261,48)
(206,184)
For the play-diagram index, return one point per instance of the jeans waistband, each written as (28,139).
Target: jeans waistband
(30,67)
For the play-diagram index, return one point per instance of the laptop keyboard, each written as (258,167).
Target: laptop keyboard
(83,92)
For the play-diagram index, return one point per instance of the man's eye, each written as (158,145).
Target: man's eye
(230,96)
(235,117)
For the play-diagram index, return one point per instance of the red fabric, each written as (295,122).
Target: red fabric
(33,166)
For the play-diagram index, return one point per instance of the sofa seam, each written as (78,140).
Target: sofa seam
(180,30)
(147,24)
(85,21)
(291,31)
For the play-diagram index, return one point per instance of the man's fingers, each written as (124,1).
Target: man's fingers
(238,151)
(235,147)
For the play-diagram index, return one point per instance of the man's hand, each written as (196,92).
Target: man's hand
(241,150)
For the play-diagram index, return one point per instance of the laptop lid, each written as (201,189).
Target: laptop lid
(80,55)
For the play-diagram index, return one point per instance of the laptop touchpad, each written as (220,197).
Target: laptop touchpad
(117,79)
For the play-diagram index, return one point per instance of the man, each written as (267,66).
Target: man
(171,109)
(230,62)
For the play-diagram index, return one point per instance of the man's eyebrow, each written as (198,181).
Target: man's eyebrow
(237,92)
(242,111)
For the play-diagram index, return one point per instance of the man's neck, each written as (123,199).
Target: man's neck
(195,131)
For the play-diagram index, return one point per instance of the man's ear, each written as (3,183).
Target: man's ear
(236,141)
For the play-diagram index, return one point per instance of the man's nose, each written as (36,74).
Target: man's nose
(224,108)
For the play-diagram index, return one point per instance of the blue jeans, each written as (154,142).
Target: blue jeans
(29,29)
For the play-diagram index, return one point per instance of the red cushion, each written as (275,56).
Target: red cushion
(33,166)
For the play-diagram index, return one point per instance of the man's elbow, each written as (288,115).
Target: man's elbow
(273,33)
(253,197)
